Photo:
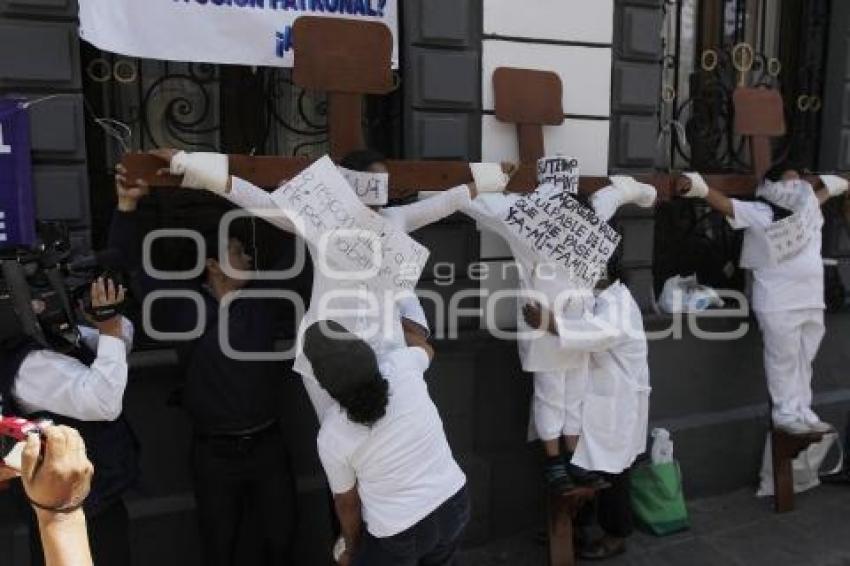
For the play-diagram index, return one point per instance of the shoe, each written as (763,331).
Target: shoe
(556,476)
(819,426)
(603,549)
(585,478)
(793,427)
(814,423)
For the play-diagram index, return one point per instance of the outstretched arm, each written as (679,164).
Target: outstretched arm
(412,217)
(833,186)
(238,191)
(692,185)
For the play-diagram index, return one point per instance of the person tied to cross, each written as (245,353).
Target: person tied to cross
(782,248)
(211,172)
(561,364)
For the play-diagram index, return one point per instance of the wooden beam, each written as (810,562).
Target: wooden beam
(409,177)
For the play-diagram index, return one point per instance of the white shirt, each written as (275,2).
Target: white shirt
(796,283)
(53,382)
(402,466)
(540,351)
(615,410)
(355,313)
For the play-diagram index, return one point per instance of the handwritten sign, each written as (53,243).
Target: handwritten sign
(786,238)
(350,241)
(373,189)
(561,230)
(559,171)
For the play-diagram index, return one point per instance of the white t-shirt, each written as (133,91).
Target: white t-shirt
(538,351)
(796,283)
(402,466)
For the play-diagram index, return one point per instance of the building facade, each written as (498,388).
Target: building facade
(646,86)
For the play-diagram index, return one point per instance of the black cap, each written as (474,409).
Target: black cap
(342,362)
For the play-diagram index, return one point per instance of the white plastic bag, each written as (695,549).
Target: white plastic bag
(685,294)
(806,467)
(662,447)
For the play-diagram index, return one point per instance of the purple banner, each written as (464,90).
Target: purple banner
(17,214)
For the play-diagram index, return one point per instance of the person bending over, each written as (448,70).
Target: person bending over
(400,496)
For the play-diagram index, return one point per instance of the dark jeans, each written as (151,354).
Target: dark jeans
(433,541)
(235,476)
(613,507)
(109,537)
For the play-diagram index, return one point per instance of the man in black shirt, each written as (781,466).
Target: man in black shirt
(239,458)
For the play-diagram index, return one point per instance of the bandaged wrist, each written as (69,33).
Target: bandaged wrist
(633,191)
(699,188)
(207,171)
(834,184)
(489,177)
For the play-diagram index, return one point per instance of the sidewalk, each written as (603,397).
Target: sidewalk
(730,530)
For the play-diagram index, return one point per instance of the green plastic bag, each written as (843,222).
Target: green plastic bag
(657,499)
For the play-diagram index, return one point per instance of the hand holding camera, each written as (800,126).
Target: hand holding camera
(55,470)
(106,296)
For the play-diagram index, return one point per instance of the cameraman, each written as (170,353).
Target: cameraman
(83,387)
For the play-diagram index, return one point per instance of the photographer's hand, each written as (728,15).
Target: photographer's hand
(104,293)
(56,473)
(129,194)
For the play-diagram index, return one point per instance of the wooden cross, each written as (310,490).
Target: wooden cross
(357,63)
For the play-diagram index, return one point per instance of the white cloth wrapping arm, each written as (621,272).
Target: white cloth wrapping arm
(489,177)
(207,171)
(699,188)
(835,185)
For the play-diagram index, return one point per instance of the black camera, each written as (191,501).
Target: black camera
(41,287)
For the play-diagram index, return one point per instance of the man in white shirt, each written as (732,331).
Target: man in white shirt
(400,496)
(788,283)
(83,387)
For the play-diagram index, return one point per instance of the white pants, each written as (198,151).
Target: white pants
(791,341)
(558,399)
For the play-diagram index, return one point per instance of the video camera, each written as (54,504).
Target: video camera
(52,277)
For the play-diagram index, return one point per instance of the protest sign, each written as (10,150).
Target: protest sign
(564,232)
(17,212)
(559,171)
(373,189)
(234,32)
(786,238)
(351,241)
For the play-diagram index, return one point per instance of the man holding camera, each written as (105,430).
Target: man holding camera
(78,378)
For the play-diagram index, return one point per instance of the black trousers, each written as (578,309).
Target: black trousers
(234,478)
(109,537)
(433,541)
(612,507)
